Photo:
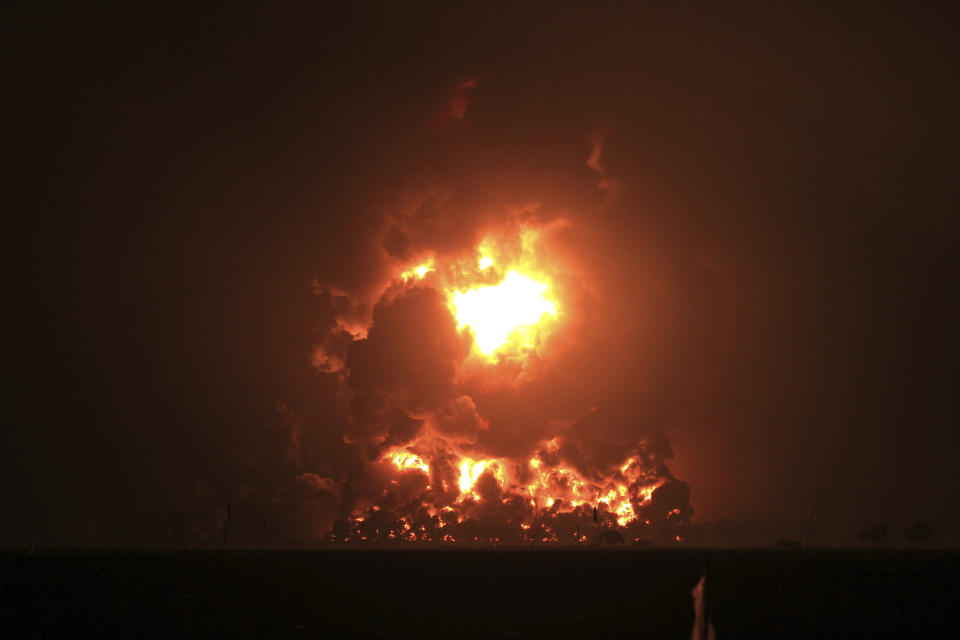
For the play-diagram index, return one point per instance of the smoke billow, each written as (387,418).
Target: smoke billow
(446,445)
(743,223)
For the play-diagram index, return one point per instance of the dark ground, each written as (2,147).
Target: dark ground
(477,594)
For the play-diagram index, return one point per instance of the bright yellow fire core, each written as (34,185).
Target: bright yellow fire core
(503,313)
(418,271)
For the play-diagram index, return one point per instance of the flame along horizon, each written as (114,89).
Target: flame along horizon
(459,498)
(438,488)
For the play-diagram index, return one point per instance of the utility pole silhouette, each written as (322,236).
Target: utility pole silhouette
(226,523)
(813,516)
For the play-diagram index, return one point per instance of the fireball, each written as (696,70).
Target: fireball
(507,298)
(504,314)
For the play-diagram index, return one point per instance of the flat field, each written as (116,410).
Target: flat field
(470,593)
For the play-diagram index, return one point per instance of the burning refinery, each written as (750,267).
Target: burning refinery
(471,419)
(369,320)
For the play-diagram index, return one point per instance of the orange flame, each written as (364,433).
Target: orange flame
(419,271)
(405,460)
(508,301)
(470,472)
(540,492)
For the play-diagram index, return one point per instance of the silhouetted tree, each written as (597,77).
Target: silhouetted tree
(919,532)
(783,543)
(877,535)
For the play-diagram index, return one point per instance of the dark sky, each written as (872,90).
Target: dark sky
(189,184)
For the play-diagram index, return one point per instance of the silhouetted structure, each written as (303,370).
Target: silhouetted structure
(610,537)
(783,543)
(813,517)
(226,523)
(702,624)
(877,535)
(919,532)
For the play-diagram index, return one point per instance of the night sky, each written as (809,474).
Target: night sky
(758,206)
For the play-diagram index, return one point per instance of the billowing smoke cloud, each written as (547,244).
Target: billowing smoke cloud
(743,221)
(445,445)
